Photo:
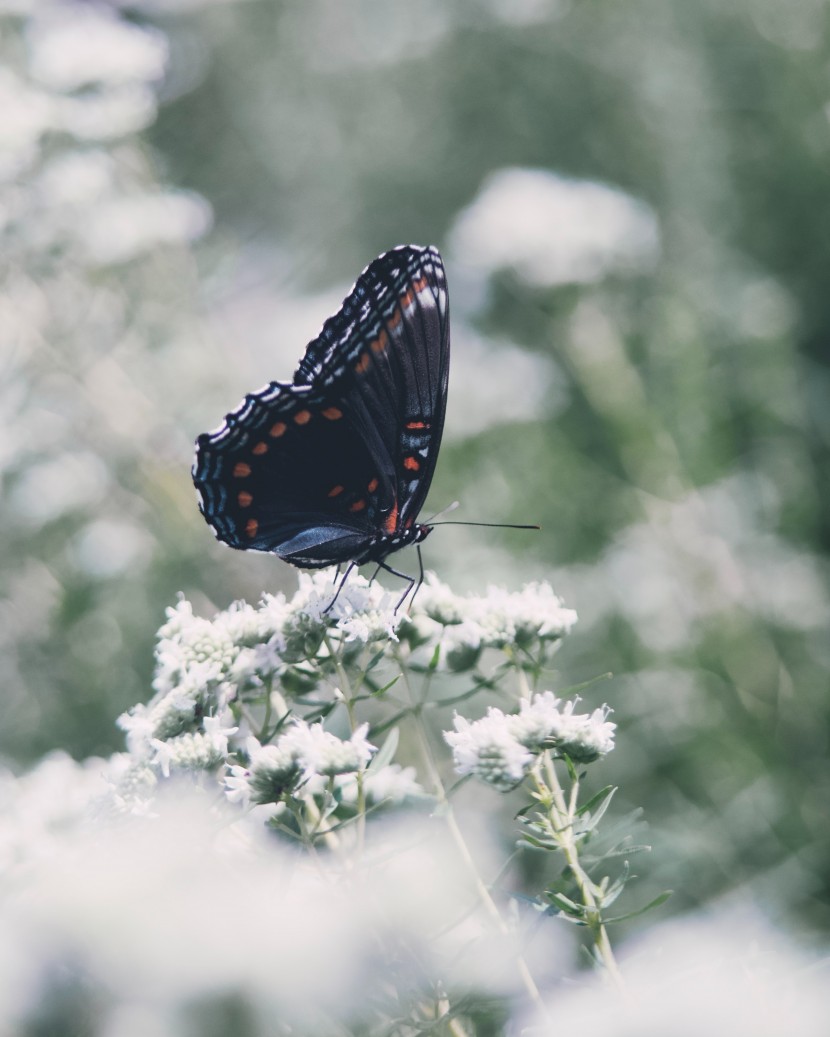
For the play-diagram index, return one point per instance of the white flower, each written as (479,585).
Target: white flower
(107,115)
(197,750)
(391,785)
(272,771)
(500,748)
(437,601)
(320,752)
(535,611)
(488,749)
(194,659)
(584,737)
(363,611)
(238,784)
(599,229)
(273,612)
(85,45)
(132,783)
(461,645)
(536,720)
(165,717)
(217,731)
(244,624)
(541,723)
(497,619)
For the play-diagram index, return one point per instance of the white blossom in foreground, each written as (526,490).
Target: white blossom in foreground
(189,901)
(730,972)
(501,748)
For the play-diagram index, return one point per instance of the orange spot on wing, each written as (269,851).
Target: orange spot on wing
(335,491)
(260,448)
(412,464)
(302,417)
(362,363)
(241,470)
(419,286)
(406,298)
(244,499)
(278,429)
(417,424)
(358,505)
(391,523)
(251,527)
(373,485)
(381,342)
(332,413)
(395,318)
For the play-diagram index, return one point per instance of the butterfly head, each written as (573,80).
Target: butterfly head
(384,544)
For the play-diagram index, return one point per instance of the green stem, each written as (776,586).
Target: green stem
(431,768)
(348,700)
(563,816)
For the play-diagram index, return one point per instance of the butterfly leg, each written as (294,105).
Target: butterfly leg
(346,575)
(420,573)
(374,575)
(410,582)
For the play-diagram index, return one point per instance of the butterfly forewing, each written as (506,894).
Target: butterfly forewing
(390,342)
(329,468)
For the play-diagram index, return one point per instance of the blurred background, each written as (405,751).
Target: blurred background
(633,203)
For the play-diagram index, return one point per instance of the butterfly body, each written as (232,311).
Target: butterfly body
(335,466)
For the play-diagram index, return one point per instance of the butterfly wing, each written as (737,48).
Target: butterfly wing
(318,470)
(387,351)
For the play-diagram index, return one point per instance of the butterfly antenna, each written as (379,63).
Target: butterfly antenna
(489,525)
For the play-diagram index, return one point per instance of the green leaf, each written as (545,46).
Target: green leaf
(624,851)
(378,729)
(387,686)
(604,794)
(610,894)
(563,903)
(385,754)
(376,658)
(658,900)
(537,842)
(575,689)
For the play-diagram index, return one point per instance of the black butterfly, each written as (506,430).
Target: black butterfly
(335,466)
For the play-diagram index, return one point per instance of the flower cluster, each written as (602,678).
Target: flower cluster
(304,752)
(249,695)
(218,680)
(501,748)
(463,626)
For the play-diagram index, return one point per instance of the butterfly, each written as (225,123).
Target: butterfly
(334,466)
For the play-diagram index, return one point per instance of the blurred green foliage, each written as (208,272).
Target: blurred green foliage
(681,478)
